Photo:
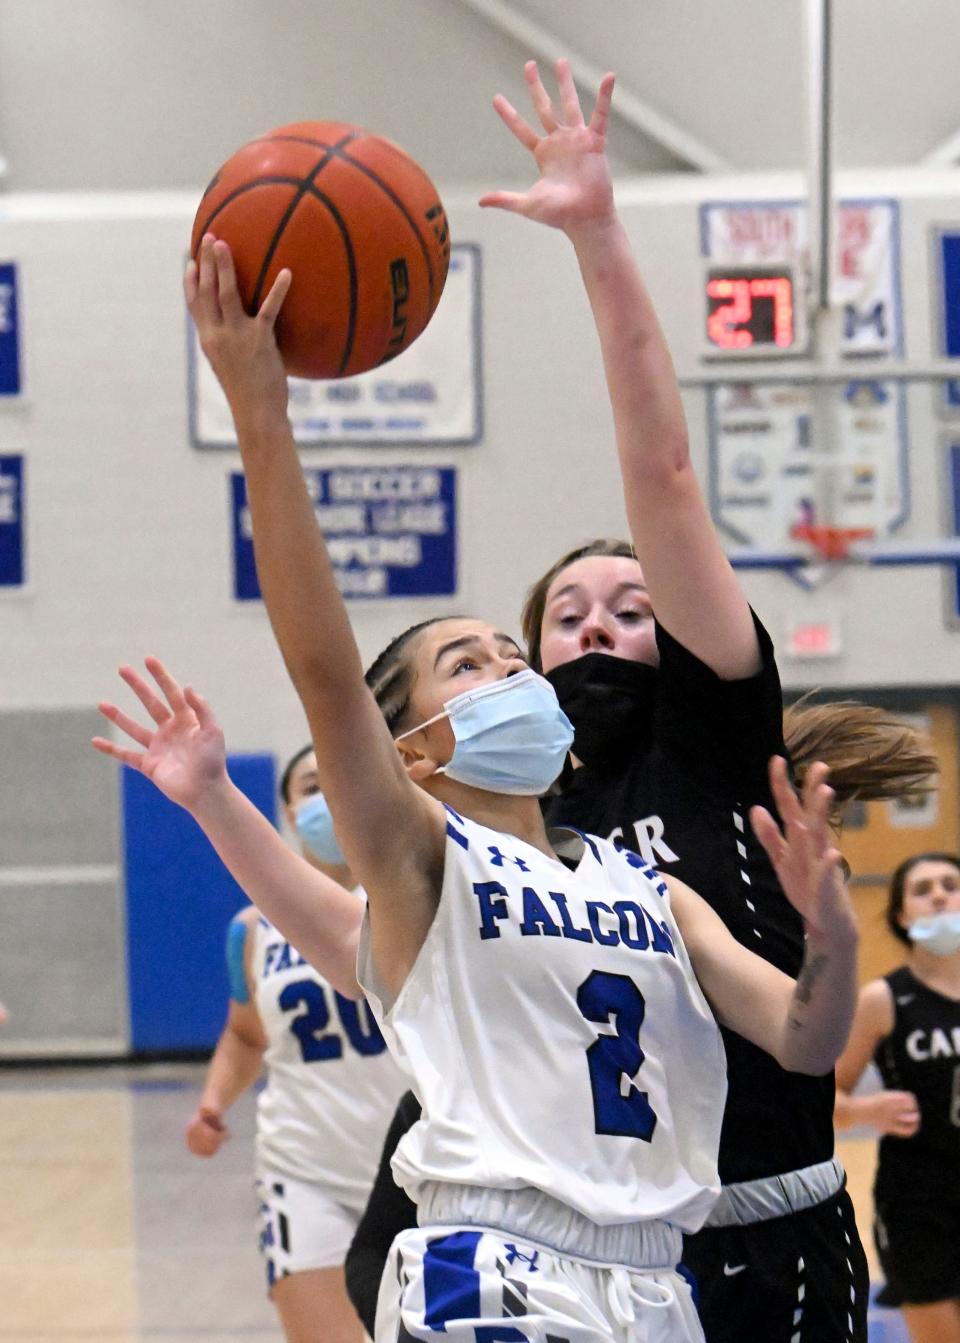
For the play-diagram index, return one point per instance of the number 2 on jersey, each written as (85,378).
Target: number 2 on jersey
(310,1026)
(611,1058)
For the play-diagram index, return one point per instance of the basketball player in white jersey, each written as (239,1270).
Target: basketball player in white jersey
(331,1086)
(330,1092)
(570,1069)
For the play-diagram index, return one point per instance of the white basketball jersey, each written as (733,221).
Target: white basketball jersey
(331,1086)
(556,1035)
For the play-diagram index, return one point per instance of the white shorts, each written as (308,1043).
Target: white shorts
(471,1285)
(301,1226)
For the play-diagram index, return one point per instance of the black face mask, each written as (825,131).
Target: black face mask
(609,701)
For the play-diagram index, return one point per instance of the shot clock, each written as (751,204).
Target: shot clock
(753,312)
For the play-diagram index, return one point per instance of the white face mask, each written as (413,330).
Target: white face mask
(939,933)
(511,736)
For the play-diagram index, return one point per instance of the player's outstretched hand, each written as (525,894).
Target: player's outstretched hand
(804,857)
(575,187)
(206,1132)
(184,752)
(242,350)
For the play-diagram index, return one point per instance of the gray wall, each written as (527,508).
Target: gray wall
(128,525)
(129,533)
(100,94)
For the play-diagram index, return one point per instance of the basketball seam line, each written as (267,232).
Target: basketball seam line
(351,267)
(249,186)
(391,194)
(336,151)
(306,183)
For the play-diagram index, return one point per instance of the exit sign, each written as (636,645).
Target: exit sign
(814,639)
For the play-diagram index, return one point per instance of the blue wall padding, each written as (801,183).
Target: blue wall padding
(180,899)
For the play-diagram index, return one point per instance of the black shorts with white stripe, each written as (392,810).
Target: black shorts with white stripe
(801,1278)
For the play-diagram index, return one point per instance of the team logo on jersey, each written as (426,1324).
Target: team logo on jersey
(513,1254)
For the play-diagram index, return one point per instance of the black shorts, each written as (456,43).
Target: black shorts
(918,1244)
(765,1282)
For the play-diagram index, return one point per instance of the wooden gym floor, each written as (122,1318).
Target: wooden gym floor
(111,1232)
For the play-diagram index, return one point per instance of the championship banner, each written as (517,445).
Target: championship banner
(11,522)
(390,531)
(10,384)
(430,394)
(767,473)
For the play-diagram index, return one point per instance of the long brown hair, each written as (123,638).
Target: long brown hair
(872,754)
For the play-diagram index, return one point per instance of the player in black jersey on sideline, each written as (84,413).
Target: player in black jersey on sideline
(909,1023)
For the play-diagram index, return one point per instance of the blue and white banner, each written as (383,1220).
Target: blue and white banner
(390,531)
(948,393)
(769,469)
(10,384)
(429,394)
(12,522)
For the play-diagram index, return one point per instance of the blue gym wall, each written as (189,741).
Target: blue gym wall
(179,900)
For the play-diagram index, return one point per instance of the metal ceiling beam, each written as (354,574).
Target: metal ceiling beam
(544,44)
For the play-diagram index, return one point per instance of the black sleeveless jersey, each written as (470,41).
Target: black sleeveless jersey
(682,801)
(922,1055)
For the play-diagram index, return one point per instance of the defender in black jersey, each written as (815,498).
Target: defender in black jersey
(674,734)
(672,759)
(909,1023)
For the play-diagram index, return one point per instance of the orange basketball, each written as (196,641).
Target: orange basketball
(359,224)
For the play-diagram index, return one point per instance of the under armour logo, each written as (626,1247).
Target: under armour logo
(513,1254)
(498,859)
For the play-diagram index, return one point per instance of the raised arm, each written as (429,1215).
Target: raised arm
(803,1023)
(692,586)
(391,832)
(893,1112)
(184,755)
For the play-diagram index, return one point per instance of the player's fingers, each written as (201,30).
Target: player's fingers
(205,715)
(190,281)
(768,833)
(569,99)
(271,305)
(504,200)
(141,735)
(540,97)
(814,779)
(601,108)
(231,304)
(206,300)
(145,693)
(818,803)
(784,795)
(132,758)
(167,683)
(515,123)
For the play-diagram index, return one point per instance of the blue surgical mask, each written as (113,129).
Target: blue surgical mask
(315,828)
(940,933)
(511,736)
